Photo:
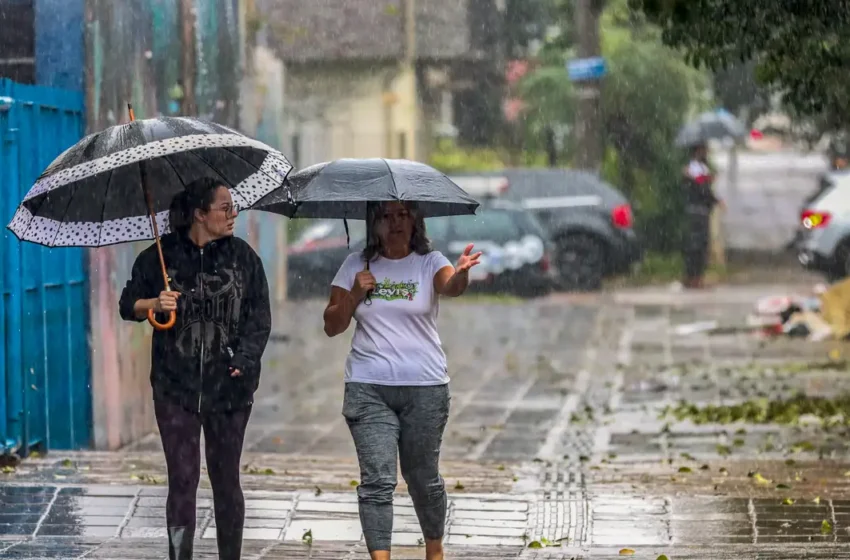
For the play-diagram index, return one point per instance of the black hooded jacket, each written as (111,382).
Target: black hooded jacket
(223,321)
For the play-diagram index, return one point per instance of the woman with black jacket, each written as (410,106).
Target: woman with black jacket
(206,368)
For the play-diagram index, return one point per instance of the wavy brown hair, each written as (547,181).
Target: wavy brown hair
(419,242)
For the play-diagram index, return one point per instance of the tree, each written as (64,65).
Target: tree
(647,93)
(800,49)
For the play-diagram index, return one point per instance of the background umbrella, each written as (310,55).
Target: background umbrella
(116,186)
(709,126)
(344,188)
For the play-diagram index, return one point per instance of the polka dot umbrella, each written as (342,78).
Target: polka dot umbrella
(116,186)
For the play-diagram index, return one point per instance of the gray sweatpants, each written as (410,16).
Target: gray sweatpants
(406,422)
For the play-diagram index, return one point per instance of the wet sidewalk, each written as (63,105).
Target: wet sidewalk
(578,430)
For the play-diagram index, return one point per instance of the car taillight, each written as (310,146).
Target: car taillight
(545,262)
(815,220)
(621,216)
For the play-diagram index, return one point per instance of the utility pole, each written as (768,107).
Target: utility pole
(588,122)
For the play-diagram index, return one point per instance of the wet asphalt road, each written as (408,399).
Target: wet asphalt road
(555,438)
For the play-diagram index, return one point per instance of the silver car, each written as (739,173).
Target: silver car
(824,241)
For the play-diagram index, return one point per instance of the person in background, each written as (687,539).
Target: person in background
(397,397)
(206,368)
(700,201)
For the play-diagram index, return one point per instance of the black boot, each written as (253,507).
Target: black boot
(180,543)
(229,543)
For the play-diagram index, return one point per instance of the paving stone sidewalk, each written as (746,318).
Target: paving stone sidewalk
(555,440)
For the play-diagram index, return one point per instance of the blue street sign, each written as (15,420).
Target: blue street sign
(583,69)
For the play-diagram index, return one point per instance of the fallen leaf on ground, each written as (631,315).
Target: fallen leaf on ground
(825,527)
(759,479)
(626,552)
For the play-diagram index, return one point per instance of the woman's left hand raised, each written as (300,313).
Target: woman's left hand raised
(467,261)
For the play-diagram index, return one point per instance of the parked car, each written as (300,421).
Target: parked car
(824,240)
(517,253)
(589,221)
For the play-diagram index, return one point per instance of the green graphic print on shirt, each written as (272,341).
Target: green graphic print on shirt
(390,291)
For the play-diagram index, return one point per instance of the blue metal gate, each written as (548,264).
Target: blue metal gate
(45,365)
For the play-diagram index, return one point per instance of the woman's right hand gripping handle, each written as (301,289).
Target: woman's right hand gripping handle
(364,282)
(342,304)
(165,303)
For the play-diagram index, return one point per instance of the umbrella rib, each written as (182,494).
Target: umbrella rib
(228,150)
(192,152)
(392,178)
(174,168)
(65,213)
(103,209)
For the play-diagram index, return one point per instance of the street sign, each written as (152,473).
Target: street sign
(584,69)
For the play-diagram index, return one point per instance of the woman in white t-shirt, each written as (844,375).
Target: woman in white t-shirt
(396,381)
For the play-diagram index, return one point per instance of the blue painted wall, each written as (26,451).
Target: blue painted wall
(59,45)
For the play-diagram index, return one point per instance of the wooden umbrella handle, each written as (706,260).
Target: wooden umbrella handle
(172,315)
(172,318)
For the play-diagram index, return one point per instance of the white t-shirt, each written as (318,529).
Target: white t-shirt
(395,340)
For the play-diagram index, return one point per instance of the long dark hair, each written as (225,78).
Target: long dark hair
(419,242)
(197,195)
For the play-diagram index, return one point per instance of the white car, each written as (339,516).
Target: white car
(824,243)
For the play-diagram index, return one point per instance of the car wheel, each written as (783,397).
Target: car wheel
(581,263)
(841,270)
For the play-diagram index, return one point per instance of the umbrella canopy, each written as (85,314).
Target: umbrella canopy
(92,195)
(341,189)
(709,126)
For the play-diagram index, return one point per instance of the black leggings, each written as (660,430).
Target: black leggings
(224,433)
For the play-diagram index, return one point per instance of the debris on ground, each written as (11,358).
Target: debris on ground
(823,314)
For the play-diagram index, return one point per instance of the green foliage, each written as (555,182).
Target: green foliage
(644,101)
(801,48)
(449,158)
(645,97)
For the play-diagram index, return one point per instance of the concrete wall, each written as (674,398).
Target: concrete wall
(352,110)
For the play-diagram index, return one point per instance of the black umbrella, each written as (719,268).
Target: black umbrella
(341,189)
(116,186)
(344,188)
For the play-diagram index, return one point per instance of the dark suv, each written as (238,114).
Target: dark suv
(517,259)
(589,221)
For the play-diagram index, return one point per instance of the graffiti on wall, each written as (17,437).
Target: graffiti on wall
(166,57)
